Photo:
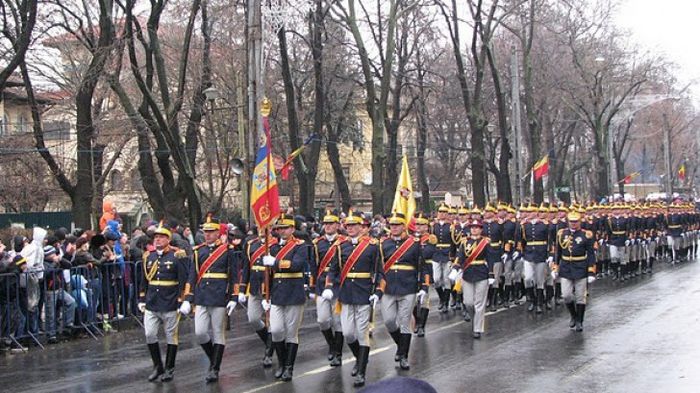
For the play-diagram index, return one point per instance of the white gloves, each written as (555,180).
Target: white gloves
(454,274)
(591,279)
(516,255)
(374,299)
(265,305)
(550,259)
(142,307)
(420,296)
(185,308)
(241,298)
(269,260)
(600,241)
(491,281)
(504,257)
(627,242)
(230,306)
(554,274)
(327,294)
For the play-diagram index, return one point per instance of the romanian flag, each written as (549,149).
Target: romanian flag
(288,162)
(628,179)
(264,194)
(404,201)
(541,168)
(681,172)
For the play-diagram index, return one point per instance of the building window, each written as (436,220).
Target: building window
(116,180)
(21,126)
(346,172)
(57,131)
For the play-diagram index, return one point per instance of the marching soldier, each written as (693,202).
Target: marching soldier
(618,240)
(534,241)
(442,229)
(476,275)
(357,271)
(512,283)
(428,242)
(163,278)
(287,262)
(406,281)
(213,273)
(324,251)
(674,220)
(493,229)
(575,267)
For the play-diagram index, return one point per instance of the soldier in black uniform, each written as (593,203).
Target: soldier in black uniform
(493,229)
(213,275)
(428,242)
(534,241)
(575,265)
(163,279)
(359,275)
(617,234)
(511,282)
(442,229)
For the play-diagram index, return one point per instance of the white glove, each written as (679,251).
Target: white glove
(265,305)
(241,298)
(600,241)
(491,281)
(516,255)
(269,260)
(657,239)
(591,279)
(374,299)
(554,274)
(420,296)
(327,294)
(550,259)
(312,296)
(504,257)
(454,273)
(142,307)
(185,308)
(627,242)
(230,306)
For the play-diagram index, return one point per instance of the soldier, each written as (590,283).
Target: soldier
(493,229)
(442,229)
(213,273)
(406,281)
(475,273)
(534,241)
(511,286)
(617,240)
(427,242)
(575,266)
(287,262)
(324,251)
(674,221)
(357,271)
(163,277)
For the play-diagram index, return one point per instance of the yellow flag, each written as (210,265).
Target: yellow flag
(404,202)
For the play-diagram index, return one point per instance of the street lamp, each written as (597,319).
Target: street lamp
(212,93)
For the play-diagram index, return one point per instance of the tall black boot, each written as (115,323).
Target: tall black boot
(507,296)
(281,350)
(405,346)
(539,299)
(644,266)
(572,311)
(557,293)
(328,335)
(267,340)
(489,299)
(517,292)
(289,363)
(453,295)
(549,296)
(396,336)
(355,348)
(623,272)
(494,299)
(531,298)
(209,350)
(423,312)
(170,354)
(363,357)
(154,350)
(615,268)
(416,317)
(651,265)
(337,360)
(441,305)
(218,354)
(580,311)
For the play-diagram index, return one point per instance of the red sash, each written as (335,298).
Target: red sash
(399,253)
(326,259)
(475,252)
(210,260)
(260,251)
(352,259)
(286,249)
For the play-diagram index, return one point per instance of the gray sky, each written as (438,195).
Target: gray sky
(671,27)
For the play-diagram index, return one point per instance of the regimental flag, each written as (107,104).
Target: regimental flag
(264,194)
(541,168)
(628,179)
(681,173)
(287,167)
(404,201)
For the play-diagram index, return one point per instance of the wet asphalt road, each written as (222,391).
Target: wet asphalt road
(640,336)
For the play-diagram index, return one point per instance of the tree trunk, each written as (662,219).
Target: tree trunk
(341,182)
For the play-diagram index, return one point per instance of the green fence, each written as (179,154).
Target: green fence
(51,220)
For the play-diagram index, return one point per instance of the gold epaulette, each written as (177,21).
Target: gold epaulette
(374,241)
(299,242)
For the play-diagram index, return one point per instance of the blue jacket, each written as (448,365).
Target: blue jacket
(365,277)
(534,240)
(576,253)
(287,281)
(163,279)
(444,245)
(480,269)
(322,247)
(408,274)
(216,286)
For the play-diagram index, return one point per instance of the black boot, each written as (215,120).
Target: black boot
(396,336)
(507,296)
(572,311)
(218,354)
(530,299)
(416,317)
(170,354)
(209,350)
(623,273)
(517,293)
(337,360)
(651,265)
(267,339)
(494,295)
(328,335)
(355,348)
(441,304)
(539,299)
(615,267)
(289,364)
(580,311)
(154,349)
(281,350)
(549,297)
(453,295)
(423,312)
(363,357)
(557,293)
(405,343)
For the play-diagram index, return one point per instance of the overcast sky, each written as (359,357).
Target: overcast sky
(671,27)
